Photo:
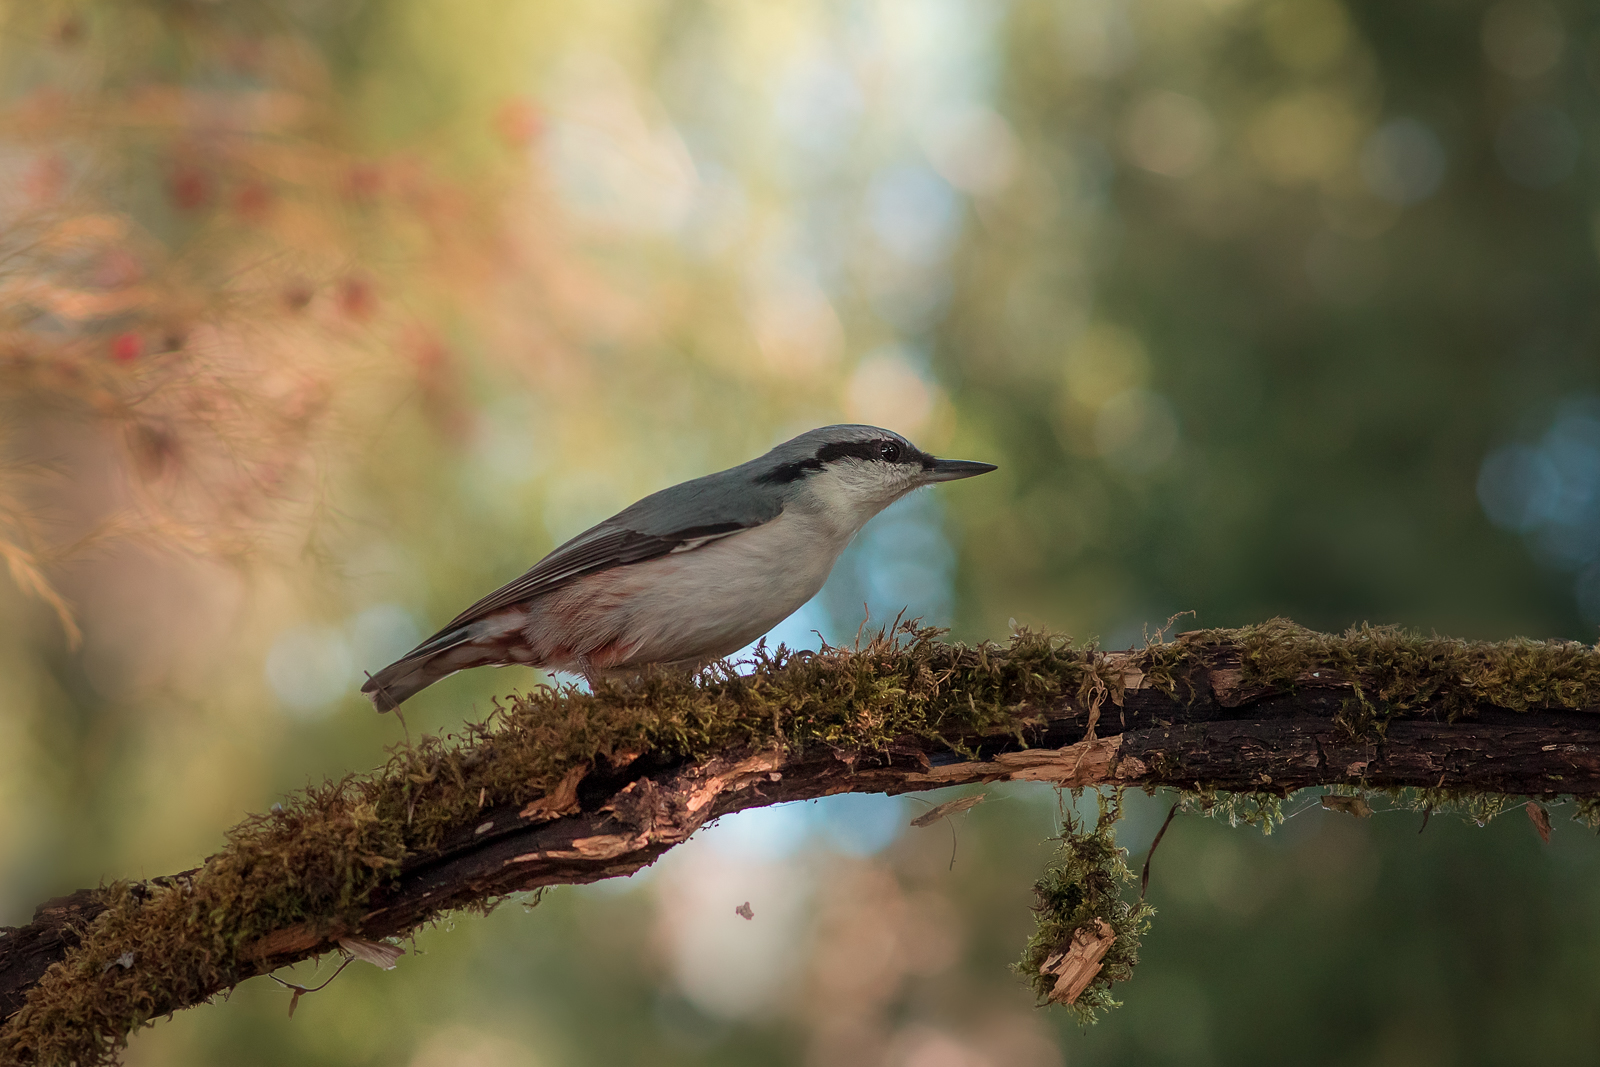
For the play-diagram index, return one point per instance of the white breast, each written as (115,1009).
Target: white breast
(690,606)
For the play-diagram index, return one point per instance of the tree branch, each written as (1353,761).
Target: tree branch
(572,788)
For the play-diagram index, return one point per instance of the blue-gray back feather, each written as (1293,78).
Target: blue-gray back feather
(680,518)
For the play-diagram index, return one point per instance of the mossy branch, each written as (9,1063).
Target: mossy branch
(561,787)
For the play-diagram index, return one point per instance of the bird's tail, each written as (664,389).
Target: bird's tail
(400,681)
(438,657)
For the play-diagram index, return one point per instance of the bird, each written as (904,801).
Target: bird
(687,575)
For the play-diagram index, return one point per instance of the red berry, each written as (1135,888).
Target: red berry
(188,186)
(252,201)
(357,299)
(126,347)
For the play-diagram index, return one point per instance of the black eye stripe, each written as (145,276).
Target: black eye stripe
(872,451)
(791,472)
(847,450)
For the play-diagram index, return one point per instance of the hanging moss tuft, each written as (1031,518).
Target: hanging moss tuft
(1082,887)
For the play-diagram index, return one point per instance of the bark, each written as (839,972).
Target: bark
(1214,734)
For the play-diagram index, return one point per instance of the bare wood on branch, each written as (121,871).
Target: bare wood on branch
(1212,726)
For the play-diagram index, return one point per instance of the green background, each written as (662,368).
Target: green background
(1279,308)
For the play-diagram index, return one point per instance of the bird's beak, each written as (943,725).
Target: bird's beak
(948,470)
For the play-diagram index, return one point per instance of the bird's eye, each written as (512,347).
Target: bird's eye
(889,451)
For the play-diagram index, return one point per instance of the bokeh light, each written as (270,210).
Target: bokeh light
(319,321)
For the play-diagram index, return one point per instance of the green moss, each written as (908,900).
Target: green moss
(1395,671)
(1084,884)
(1586,810)
(318,858)
(1259,809)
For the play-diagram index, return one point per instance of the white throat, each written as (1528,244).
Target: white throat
(846,495)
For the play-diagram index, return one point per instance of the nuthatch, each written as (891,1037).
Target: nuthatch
(687,575)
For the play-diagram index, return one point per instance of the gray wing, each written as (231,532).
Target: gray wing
(598,549)
(678,519)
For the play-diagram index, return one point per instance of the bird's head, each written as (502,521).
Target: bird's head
(850,473)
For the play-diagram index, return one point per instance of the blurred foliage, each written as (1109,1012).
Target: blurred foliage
(1216,206)
(318,320)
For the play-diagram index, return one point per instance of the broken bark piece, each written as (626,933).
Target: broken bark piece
(378,953)
(297,940)
(1540,817)
(1356,806)
(949,807)
(562,800)
(1076,968)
